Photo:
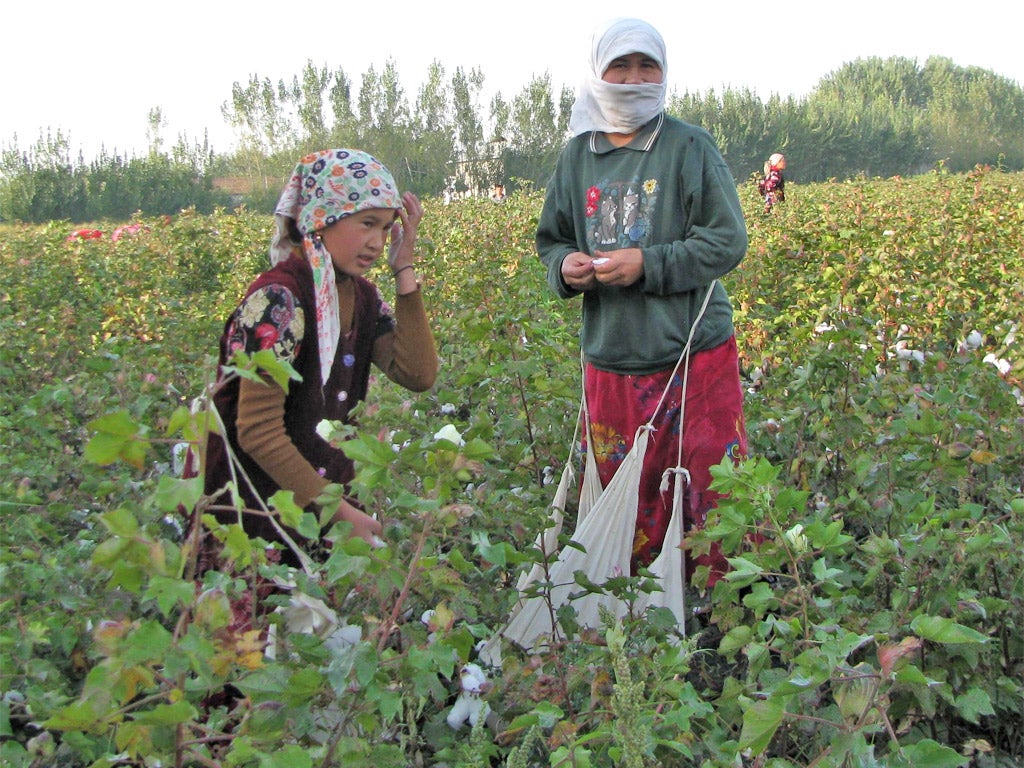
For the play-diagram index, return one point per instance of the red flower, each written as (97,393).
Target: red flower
(85,234)
(267,334)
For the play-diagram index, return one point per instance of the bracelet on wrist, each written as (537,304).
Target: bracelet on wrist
(400,270)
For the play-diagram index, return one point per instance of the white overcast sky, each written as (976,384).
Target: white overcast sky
(93,70)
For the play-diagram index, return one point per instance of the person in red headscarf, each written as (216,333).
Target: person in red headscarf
(773,186)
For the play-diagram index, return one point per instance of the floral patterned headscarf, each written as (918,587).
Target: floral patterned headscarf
(327,186)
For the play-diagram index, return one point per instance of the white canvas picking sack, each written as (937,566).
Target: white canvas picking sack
(605,528)
(606,534)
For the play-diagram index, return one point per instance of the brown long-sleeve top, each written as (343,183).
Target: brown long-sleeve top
(402,348)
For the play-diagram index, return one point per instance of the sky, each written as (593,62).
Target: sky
(94,70)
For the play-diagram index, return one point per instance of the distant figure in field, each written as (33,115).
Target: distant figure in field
(772,186)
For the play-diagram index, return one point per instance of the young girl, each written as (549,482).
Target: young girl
(315,309)
(641,217)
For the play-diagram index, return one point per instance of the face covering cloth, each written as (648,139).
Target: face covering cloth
(619,108)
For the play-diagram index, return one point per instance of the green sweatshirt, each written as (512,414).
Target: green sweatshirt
(669,193)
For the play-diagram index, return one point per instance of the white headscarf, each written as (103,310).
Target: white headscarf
(619,108)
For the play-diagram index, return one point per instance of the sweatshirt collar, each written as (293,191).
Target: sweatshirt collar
(642,142)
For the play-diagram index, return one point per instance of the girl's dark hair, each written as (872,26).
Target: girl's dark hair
(293,231)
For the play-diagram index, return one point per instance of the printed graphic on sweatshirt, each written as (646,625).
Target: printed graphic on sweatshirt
(618,214)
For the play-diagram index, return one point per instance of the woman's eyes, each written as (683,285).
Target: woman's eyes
(644,63)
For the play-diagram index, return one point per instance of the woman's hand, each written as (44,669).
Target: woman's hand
(618,268)
(578,271)
(363,525)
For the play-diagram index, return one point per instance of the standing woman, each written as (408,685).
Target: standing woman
(315,309)
(641,217)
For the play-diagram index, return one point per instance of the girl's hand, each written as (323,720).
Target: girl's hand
(401,249)
(363,525)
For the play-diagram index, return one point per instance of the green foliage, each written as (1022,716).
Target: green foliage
(875,608)
(47,184)
(871,117)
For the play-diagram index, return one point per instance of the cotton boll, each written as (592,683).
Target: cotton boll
(459,713)
(548,475)
(308,615)
(469,707)
(796,538)
(1011,335)
(473,679)
(910,354)
(425,620)
(906,355)
(343,637)
(451,434)
(478,708)
(1001,363)
(973,340)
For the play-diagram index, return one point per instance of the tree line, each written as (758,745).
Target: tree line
(872,117)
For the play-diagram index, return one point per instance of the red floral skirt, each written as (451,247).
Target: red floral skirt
(713,427)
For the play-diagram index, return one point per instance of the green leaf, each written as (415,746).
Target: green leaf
(735,639)
(293,516)
(119,423)
(172,493)
(120,522)
(118,437)
(369,450)
(266,684)
(974,703)
(822,572)
(498,554)
(79,716)
(288,756)
(760,721)
(930,754)
(942,630)
(303,685)
(148,643)
(267,363)
(547,714)
(169,593)
(911,675)
(477,450)
(341,564)
(166,714)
